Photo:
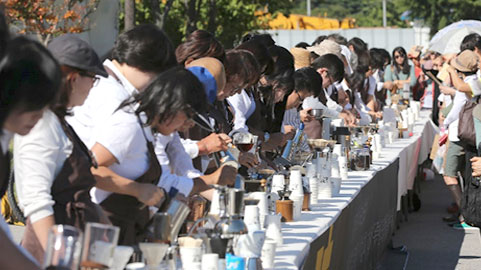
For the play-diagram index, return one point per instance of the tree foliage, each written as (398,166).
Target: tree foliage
(440,13)
(229,20)
(49,18)
(368,13)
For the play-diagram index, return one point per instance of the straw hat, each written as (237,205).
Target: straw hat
(301,57)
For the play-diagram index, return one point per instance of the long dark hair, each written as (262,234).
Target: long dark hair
(356,82)
(199,44)
(30,77)
(405,68)
(175,90)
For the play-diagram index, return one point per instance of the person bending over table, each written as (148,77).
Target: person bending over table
(52,165)
(125,152)
(29,81)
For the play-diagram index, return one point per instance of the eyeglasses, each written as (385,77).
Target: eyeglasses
(399,56)
(94,77)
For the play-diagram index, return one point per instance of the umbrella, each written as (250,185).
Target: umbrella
(448,39)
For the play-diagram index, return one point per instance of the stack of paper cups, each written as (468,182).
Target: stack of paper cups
(314,190)
(378,142)
(335,175)
(297,205)
(295,182)
(278,182)
(324,188)
(311,169)
(343,167)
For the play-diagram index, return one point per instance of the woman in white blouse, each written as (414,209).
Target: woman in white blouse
(125,153)
(29,80)
(52,165)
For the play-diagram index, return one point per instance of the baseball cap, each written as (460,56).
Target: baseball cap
(466,61)
(72,51)
(326,47)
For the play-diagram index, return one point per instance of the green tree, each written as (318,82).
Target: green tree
(229,20)
(440,13)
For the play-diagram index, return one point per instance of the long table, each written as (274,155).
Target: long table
(351,230)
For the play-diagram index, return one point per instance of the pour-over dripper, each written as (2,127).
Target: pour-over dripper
(122,256)
(153,252)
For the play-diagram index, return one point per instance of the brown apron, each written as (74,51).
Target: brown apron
(70,191)
(4,171)
(128,213)
(257,120)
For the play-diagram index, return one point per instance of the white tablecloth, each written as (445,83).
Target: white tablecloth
(298,235)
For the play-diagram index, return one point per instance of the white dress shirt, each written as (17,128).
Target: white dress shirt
(452,119)
(177,168)
(244,106)
(38,159)
(123,136)
(5,139)
(100,104)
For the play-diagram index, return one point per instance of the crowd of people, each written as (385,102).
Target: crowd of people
(99,141)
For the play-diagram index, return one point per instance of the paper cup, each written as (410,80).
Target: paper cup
(190,256)
(295,182)
(336,185)
(210,261)
(268,254)
(297,207)
(278,182)
(313,187)
(251,215)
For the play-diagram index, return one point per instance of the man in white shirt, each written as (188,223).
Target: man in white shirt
(331,69)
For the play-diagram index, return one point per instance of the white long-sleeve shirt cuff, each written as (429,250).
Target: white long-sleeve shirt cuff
(36,213)
(190,147)
(168,180)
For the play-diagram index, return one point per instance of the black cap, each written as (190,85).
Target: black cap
(72,51)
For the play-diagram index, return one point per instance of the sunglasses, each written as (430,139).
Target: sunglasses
(399,56)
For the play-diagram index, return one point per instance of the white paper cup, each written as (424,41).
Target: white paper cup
(295,182)
(336,185)
(210,261)
(313,187)
(268,254)
(190,256)
(297,205)
(343,167)
(251,215)
(278,182)
(324,189)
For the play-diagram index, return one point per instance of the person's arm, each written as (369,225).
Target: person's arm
(38,156)
(455,110)
(110,181)
(240,108)
(388,74)
(457,82)
(12,258)
(412,77)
